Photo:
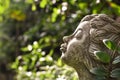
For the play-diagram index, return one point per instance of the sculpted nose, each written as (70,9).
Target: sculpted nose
(66,39)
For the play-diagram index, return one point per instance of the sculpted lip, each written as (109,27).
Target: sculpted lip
(63,47)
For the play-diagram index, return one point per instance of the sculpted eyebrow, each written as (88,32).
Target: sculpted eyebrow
(77,31)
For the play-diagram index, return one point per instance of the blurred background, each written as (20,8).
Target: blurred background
(31,32)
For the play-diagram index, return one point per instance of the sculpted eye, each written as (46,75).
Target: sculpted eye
(78,34)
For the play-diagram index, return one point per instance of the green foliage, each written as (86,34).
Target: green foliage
(43,3)
(111,61)
(99,71)
(115,73)
(116,60)
(4,4)
(102,56)
(45,21)
(109,44)
(39,65)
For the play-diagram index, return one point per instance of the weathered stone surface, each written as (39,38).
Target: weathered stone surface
(77,49)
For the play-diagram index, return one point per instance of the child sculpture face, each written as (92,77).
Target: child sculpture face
(78,48)
(74,45)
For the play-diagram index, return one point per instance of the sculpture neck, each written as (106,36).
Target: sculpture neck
(83,73)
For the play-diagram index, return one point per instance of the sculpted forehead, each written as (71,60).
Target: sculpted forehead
(83,25)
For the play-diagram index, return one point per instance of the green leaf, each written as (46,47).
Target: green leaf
(115,73)
(118,49)
(35,45)
(4,5)
(59,62)
(72,1)
(33,7)
(102,56)
(49,58)
(100,78)
(116,60)
(82,5)
(43,3)
(29,1)
(99,71)
(109,44)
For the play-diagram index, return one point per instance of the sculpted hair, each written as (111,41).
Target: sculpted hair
(101,27)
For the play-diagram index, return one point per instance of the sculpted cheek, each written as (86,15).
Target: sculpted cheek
(72,44)
(74,52)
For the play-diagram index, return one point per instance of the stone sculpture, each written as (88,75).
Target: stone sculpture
(78,48)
